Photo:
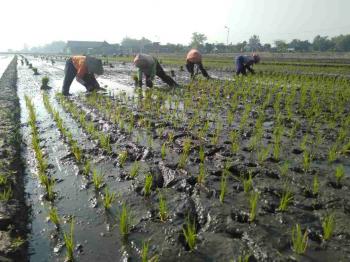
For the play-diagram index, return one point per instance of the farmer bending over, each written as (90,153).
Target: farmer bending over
(194,57)
(150,67)
(83,68)
(244,63)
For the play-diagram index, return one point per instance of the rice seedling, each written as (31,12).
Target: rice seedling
(163,151)
(148,184)
(144,251)
(163,209)
(124,221)
(253,202)
(247,183)
(328,225)
(44,82)
(315,186)
(6,194)
(189,231)
(339,174)
(54,217)
(202,174)
(3,179)
(87,168)
(122,157)
(201,154)
(286,199)
(299,240)
(134,170)
(76,151)
(182,160)
(69,242)
(332,154)
(306,161)
(105,142)
(97,179)
(50,194)
(263,153)
(108,199)
(284,169)
(223,187)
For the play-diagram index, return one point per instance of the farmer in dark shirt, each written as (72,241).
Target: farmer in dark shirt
(244,63)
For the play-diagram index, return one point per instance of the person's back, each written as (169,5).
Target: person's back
(194,56)
(146,63)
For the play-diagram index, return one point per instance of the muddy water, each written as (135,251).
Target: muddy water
(94,233)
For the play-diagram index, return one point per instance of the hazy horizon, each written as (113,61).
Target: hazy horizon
(39,22)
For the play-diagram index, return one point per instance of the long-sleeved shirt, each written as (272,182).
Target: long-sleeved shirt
(248,60)
(194,56)
(80,65)
(146,65)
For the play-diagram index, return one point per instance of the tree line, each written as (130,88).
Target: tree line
(128,45)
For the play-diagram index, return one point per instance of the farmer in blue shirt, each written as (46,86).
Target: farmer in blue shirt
(244,63)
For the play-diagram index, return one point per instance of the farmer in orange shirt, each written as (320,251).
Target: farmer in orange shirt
(194,57)
(83,68)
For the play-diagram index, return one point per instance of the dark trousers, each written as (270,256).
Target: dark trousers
(190,69)
(70,72)
(162,75)
(240,67)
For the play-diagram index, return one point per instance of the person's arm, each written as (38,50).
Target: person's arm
(250,69)
(90,82)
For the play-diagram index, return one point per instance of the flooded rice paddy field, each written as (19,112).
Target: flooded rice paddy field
(215,170)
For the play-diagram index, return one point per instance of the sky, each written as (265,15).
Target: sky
(38,22)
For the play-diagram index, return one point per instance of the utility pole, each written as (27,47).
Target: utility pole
(228,33)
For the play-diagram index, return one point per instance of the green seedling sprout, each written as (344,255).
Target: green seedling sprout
(124,221)
(163,151)
(284,169)
(87,168)
(202,174)
(54,217)
(108,199)
(223,187)
(6,194)
(144,251)
(134,170)
(315,186)
(299,240)
(201,154)
(148,184)
(163,209)
(247,183)
(253,201)
(122,157)
(69,242)
(328,225)
(286,199)
(339,174)
(97,179)
(189,231)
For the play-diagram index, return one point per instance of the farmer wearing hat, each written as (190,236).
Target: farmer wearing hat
(150,67)
(244,63)
(194,57)
(83,68)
